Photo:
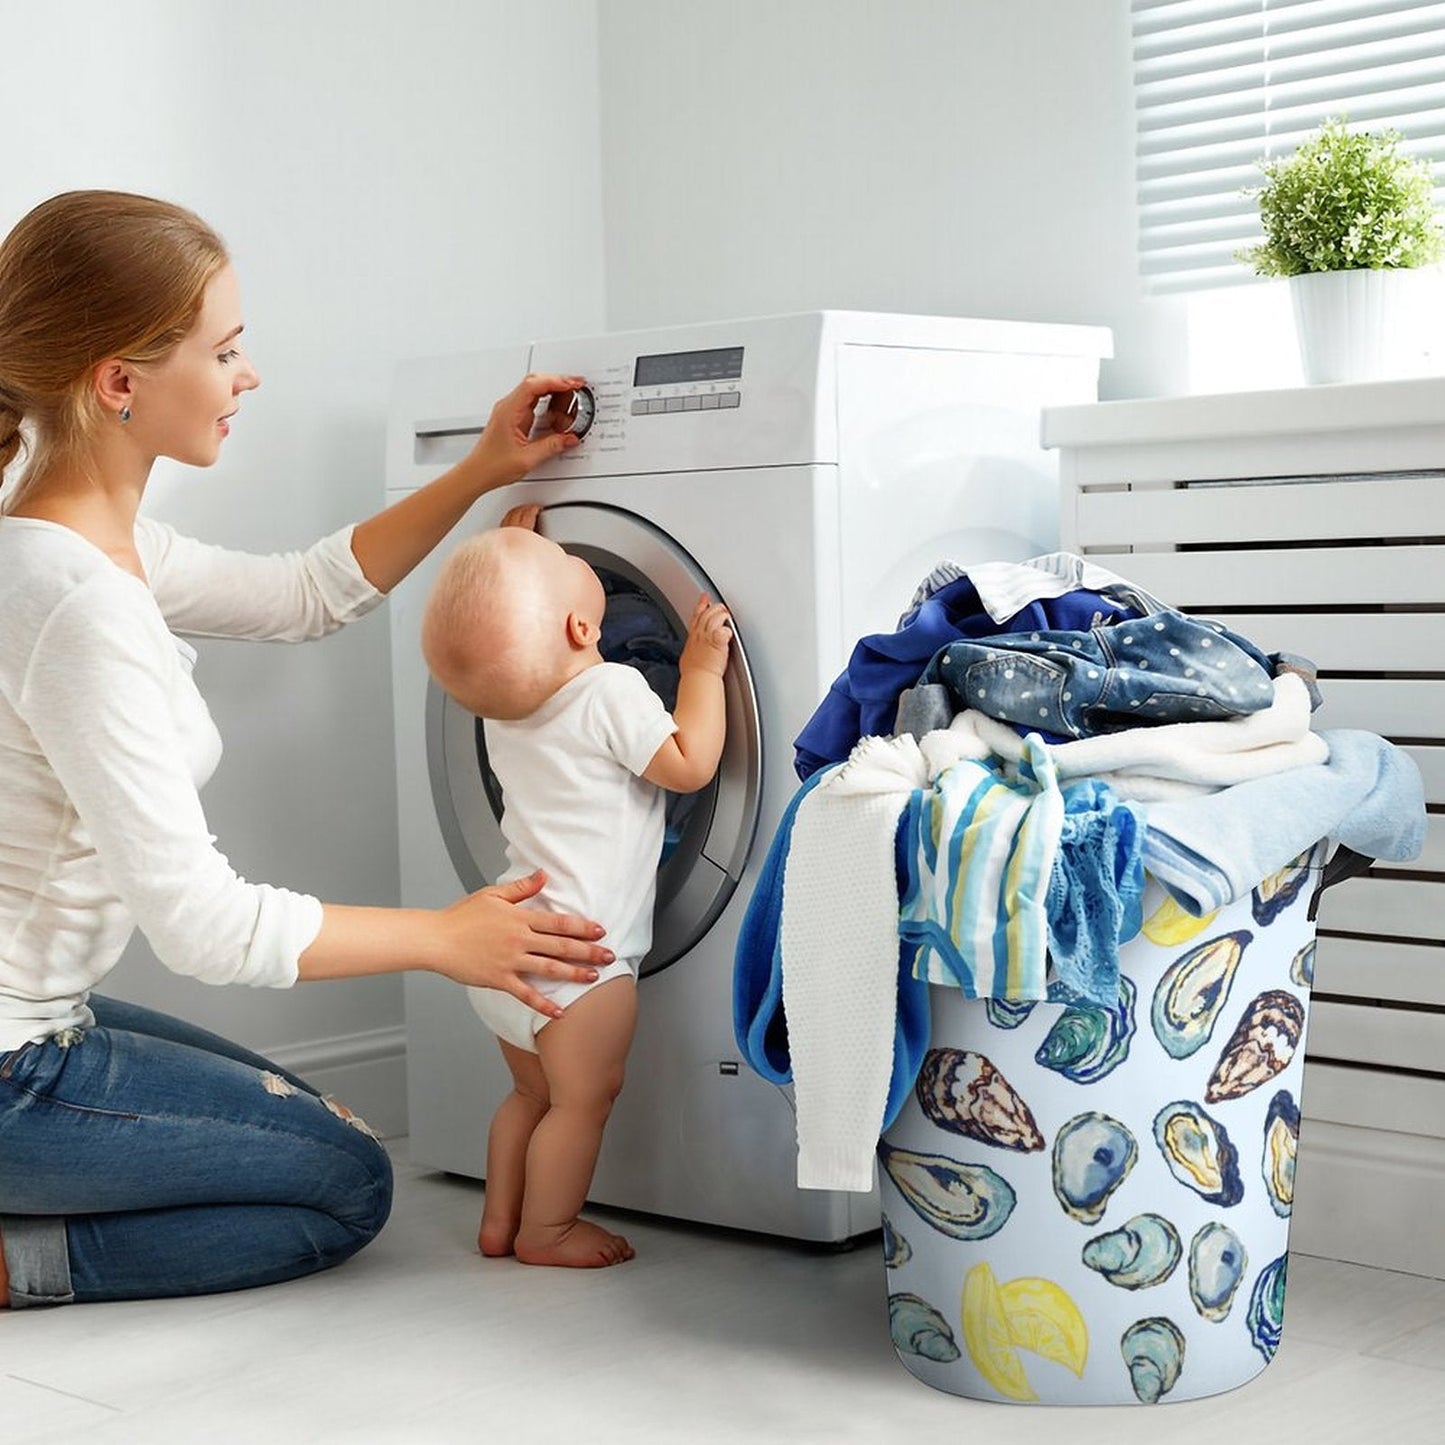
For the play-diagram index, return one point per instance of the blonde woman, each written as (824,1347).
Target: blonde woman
(139,1156)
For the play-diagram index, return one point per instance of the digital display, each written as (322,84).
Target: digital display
(675,368)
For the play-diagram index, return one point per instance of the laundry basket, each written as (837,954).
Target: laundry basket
(1087,1206)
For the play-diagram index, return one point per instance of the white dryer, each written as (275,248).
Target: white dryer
(808,471)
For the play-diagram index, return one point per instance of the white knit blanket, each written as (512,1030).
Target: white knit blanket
(839,941)
(1176,760)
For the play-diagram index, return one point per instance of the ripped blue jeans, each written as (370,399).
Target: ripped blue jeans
(144,1157)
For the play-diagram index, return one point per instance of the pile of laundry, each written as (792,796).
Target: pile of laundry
(984,790)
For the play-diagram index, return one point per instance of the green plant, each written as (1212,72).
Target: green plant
(1345,202)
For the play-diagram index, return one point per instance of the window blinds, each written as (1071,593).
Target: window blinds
(1220,84)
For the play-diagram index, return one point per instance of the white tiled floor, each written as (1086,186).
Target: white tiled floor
(705,1337)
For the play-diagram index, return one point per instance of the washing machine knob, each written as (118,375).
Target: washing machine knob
(572,411)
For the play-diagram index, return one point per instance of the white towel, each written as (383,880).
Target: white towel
(1005,588)
(839,941)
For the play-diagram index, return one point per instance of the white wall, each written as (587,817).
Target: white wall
(401,179)
(966,157)
(385,177)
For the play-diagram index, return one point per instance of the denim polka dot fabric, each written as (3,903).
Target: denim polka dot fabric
(1164,668)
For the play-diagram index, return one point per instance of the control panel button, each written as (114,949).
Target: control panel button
(691,401)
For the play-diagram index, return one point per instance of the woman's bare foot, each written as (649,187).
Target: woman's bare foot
(578,1245)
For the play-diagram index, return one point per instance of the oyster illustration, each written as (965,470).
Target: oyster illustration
(1006,1013)
(1302,966)
(963,1091)
(1088,1041)
(1092,1156)
(1153,1349)
(1030,1314)
(1217,1261)
(896,1249)
(1170,925)
(964,1201)
(1281,1144)
(1261,1046)
(1141,1252)
(1192,992)
(1266,1307)
(1198,1152)
(919,1329)
(1275,893)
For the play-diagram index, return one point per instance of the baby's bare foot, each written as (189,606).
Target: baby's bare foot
(496,1237)
(578,1245)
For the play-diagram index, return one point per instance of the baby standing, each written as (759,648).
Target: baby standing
(583,750)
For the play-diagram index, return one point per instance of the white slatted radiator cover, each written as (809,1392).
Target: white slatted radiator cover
(1313,521)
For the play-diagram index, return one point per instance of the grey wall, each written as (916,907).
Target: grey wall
(382,174)
(397,180)
(967,157)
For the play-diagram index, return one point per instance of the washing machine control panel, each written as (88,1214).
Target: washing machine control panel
(661,384)
(689,400)
(694,399)
(667,383)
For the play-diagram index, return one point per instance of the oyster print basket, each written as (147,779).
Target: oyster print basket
(1088,1206)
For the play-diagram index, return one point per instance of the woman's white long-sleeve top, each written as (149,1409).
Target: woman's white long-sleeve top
(104,745)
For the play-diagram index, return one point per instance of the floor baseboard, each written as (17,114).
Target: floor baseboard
(1370,1196)
(366,1072)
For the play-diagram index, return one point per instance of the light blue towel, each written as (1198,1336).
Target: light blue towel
(1211,850)
(1094,894)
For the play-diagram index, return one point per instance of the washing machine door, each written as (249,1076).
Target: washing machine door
(651,585)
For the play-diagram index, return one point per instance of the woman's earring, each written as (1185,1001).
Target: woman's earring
(124,414)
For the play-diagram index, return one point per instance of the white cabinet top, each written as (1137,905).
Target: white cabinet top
(1416,403)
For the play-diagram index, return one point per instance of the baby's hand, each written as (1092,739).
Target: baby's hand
(708,635)
(525,514)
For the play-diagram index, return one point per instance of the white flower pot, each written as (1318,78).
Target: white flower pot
(1349,324)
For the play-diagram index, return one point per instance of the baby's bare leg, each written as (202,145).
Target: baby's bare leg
(511,1132)
(583,1054)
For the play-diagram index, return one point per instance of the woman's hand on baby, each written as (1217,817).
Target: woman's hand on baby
(506,449)
(492,943)
(708,636)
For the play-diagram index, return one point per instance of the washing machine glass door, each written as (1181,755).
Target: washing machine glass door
(651,585)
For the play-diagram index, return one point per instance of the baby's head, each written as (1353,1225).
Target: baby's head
(511,617)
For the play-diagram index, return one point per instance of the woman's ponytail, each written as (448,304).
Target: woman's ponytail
(12,442)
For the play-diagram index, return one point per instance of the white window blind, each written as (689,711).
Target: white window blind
(1219,84)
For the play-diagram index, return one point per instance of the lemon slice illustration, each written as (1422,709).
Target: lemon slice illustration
(1169,924)
(986,1333)
(1024,1314)
(1042,1318)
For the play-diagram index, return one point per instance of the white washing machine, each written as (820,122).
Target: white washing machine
(808,471)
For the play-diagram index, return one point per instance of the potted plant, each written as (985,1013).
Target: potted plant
(1344,217)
